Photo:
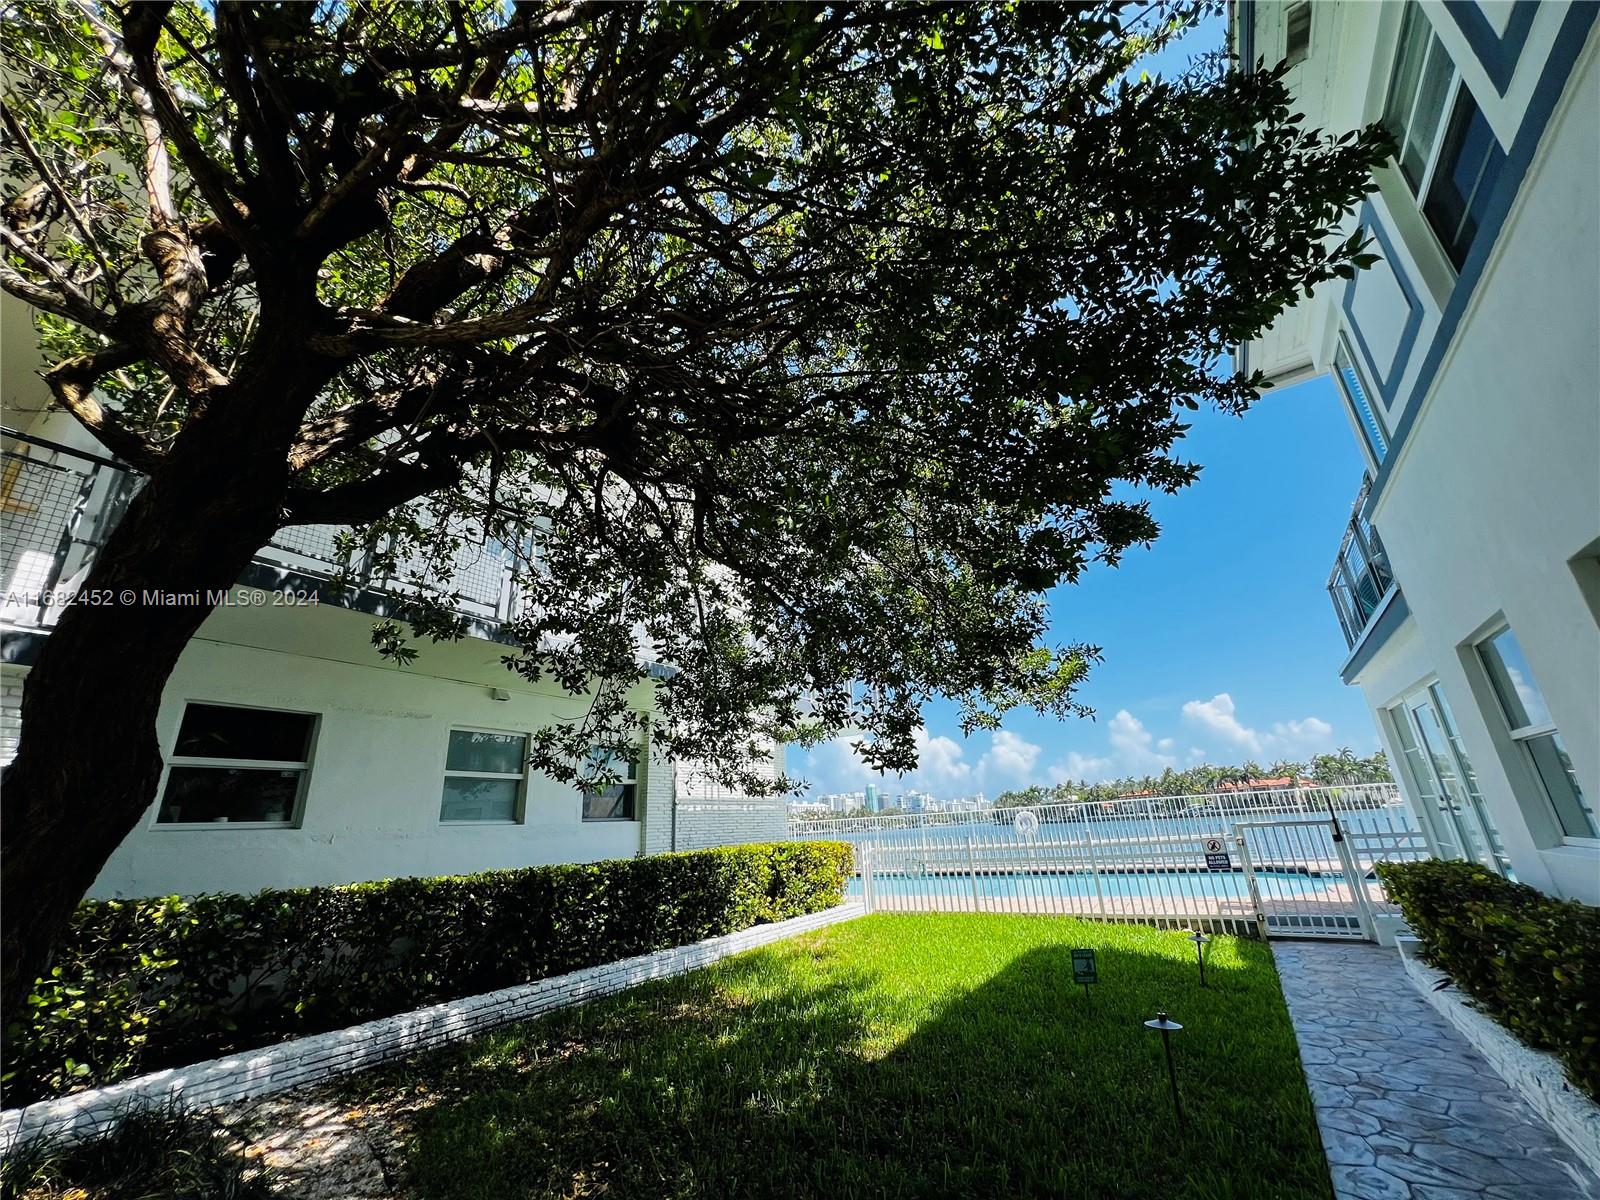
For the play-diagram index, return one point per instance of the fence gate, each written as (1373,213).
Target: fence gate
(1306,879)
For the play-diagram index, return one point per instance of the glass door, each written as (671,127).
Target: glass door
(1432,808)
(1469,781)
(1446,785)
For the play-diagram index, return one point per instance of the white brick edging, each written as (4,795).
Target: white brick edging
(1534,1075)
(322,1056)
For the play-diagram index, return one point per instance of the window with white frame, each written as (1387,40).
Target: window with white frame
(614,802)
(1297,33)
(484,775)
(1360,402)
(1535,733)
(237,766)
(1448,155)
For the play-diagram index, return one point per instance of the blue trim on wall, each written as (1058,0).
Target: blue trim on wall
(1385,384)
(1395,611)
(1564,54)
(1498,52)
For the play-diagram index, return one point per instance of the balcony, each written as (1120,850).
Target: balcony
(58,505)
(1361,577)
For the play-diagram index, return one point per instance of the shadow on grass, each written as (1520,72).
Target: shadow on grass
(804,1071)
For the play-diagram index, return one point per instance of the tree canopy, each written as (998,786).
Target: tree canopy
(797,347)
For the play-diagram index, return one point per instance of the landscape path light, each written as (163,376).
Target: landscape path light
(1200,939)
(1167,1028)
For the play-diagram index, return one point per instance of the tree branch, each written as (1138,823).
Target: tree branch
(69,302)
(72,382)
(47,176)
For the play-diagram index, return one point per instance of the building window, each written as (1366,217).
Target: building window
(484,772)
(1532,729)
(237,766)
(1359,400)
(1297,33)
(1451,166)
(616,802)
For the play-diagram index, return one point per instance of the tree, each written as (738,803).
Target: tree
(1028,797)
(1286,768)
(796,346)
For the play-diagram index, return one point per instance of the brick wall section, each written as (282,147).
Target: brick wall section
(709,815)
(10,712)
(660,784)
(325,1055)
(723,822)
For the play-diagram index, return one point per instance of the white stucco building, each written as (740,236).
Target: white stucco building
(1468,583)
(294,754)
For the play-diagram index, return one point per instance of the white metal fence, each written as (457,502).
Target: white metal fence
(1207,812)
(1292,862)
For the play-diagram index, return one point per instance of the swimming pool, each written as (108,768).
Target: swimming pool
(1089,885)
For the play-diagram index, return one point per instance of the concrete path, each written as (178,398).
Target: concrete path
(1407,1108)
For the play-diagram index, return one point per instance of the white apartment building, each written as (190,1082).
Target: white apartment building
(1468,582)
(294,754)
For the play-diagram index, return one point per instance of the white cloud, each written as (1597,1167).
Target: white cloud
(1216,715)
(939,763)
(1311,735)
(835,766)
(1010,758)
(1136,746)
(1078,766)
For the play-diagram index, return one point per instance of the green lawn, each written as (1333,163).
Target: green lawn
(894,1056)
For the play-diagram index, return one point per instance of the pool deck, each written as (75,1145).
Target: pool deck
(1408,1110)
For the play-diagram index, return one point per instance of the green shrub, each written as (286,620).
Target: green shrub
(1530,961)
(138,985)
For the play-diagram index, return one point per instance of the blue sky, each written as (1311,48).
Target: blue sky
(1220,642)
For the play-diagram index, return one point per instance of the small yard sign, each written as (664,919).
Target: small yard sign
(1216,852)
(1083,968)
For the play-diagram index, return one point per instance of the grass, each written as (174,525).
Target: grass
(894,1056)
(163,1155)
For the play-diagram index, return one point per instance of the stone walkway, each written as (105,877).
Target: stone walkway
(1407,1109)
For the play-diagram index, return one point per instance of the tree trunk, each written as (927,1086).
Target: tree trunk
(88,763)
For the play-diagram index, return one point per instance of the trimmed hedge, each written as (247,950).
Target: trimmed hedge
(138,985)
(1530,961)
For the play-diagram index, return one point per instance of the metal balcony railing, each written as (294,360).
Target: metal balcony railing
(1361,577)
(57,506)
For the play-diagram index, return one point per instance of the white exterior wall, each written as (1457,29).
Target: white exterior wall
(371,802)
(1489,503)
(703,823)
(371,805)
(708,814)
(1496,490)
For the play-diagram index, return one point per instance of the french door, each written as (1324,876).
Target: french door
(1446,787)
